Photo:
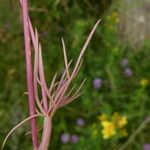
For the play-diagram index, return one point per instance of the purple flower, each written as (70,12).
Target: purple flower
(65,138)
(80,122)
(97,83)
(124,62)
(74,138)
(128,72)
(146,146)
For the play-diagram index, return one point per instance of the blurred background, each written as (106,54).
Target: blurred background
(116,98)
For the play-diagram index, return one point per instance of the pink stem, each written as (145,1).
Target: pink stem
(47,128)
(29,72)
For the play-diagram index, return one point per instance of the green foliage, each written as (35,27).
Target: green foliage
(119,91)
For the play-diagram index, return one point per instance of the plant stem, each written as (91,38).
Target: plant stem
(29,72)
(47,128)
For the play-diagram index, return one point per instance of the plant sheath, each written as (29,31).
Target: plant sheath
(29,72)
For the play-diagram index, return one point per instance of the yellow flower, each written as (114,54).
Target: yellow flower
(144,82)
(119,120)
(102,117)
(122,121)
(108,129)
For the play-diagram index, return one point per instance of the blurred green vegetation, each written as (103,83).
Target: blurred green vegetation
(123,70)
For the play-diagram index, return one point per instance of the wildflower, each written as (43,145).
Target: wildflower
(97,83)
(124,62)
(144,82)
(108,129)
(119,120)
(128,72)
(102,117)
(146,146)
(65,138)
(74,138)
(122,121)
(80,122)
